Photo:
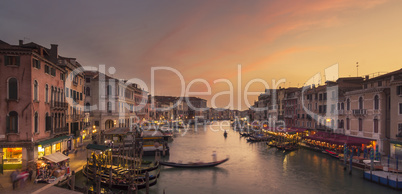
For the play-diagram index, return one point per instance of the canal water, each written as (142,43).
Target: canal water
(254,168)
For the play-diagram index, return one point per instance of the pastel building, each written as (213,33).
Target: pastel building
(32,104)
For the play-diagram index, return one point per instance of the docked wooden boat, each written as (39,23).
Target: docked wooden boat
(120,170)
(193,165)
(104,174)
(124,185)
(331,153)
(245,134)
(290,148)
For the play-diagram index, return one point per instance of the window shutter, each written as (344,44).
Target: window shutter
(38,64)
(8,124)
(398,88)
(18,60)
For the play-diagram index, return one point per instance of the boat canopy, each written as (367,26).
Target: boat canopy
(339,139)
(56,157)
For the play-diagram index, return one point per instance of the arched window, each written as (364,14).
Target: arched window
(12,122)
(347,123)
(361,103)
(88,91)
(36,122)
(87,107)
(48,122)
(360,124)
(348,104)
(46,93)
(375,125)
(35,97)
(342,124)
(376,102)
(12,89)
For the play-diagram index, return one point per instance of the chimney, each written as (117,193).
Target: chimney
(20,42)
(367,77)
(54,52)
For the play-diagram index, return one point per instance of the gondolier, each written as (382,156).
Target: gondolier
(214,156)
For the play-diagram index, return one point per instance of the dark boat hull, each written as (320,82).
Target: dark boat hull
(194,165)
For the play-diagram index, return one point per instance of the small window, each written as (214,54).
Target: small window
(12,60)
(376,102)
(12,89)
(400,108)
(360,124)
(36,63)
(375,125)
(67,92)
(48,123)
(80,96)
(62,76)
(36,122)
(47,69)
(400,129)
(365,86)
(88,80)
(88,91)
(361,103)
(12,122)
(379,83)
(46,93)
(347,123)
(399,90)
(35,97)
(53,71)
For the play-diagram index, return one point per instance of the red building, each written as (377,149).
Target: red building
(32,103)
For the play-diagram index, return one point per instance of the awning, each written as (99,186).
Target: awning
(395,141)
(97,147)
(49,142)
(57,157)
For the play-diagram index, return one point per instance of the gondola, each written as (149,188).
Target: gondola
(225,134)
(193,165)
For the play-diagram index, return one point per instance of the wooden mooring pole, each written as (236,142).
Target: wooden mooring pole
(73,180)
(147,182)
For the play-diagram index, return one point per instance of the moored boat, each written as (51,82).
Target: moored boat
(194,165)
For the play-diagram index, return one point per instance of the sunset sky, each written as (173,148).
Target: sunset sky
(276,39)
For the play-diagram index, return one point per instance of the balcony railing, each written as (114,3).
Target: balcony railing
(61,130)
(59,105)
(359,112)
(340,112)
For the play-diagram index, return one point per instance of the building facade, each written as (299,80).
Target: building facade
(33,119)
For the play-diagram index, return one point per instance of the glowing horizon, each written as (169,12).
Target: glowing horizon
(208,39)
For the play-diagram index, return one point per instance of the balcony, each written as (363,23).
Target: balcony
(359,112)
(59,105)
(340,112)
(61,130)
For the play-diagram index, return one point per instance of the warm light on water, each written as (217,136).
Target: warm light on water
(254,168)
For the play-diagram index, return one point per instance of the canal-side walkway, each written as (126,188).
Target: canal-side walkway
(76,162)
